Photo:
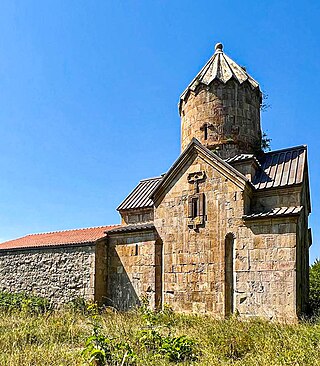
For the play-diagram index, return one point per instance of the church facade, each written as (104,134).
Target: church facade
(224,231)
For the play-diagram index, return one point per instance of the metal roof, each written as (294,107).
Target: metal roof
(276,212)
(131,228)
(281,168)
(220,67)
(140,196)
(242,157)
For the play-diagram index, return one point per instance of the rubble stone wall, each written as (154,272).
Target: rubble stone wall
(59,273)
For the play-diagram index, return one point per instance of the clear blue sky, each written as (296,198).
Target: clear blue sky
(89,92)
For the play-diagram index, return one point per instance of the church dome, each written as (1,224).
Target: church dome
(220,67)
(221,108)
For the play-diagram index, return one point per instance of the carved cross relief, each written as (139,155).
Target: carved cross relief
(196,201)
(205,128)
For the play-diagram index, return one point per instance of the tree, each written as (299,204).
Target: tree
(265,142)
(314,294)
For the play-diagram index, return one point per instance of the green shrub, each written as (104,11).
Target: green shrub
(78,305)
(103,350)
(178,349)
(157,336)
(152,338)
(22,301)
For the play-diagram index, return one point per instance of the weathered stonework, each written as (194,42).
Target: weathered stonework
(265,267)
(193,260)
(136,216)
(59,273)
(265,270)
(134,269)
(223,117)
(224,231)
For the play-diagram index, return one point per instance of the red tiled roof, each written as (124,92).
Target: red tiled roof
(77,236)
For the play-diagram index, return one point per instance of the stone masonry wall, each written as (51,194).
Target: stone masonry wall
(136,216)
(193,259)
(281,197)
(265,268)
(134,269)
(59,273)
(224,116)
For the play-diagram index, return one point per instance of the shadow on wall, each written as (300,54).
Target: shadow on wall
(270,226)
(134,272)
(122,293)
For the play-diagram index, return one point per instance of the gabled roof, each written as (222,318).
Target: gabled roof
(140,196)
(220,67)
(196,147)
(281,168)
(57,238)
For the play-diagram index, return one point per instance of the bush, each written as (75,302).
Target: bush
(314,295)
(152,338)
(157,336)
(101,349)
(22,301)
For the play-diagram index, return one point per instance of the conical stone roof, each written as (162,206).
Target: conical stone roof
(220,67)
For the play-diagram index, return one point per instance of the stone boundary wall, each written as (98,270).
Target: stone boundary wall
(59,273)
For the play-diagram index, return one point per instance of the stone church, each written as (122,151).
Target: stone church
(225,230)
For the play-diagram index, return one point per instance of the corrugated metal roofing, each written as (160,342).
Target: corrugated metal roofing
(131,228)
(240,157)
(278,211)
(140,196)
(56,238)
(281,168)
(220,67)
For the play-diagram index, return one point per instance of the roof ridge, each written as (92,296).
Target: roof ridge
(286,149)
(61,231)
(152,178)
(183,157)
(79,229)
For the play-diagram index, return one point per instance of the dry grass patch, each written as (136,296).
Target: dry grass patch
(58,338)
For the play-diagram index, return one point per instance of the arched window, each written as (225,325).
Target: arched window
(229,274)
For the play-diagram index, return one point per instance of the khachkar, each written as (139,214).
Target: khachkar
(221,108)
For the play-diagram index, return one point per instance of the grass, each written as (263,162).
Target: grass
(58,338)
